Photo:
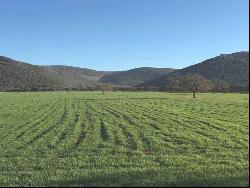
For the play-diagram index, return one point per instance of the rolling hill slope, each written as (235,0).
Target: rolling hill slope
(135,76)
(20,76)
(75,77)
(231,68)
(15,75)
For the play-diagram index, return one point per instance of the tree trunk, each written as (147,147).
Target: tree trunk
(194,94)
(103,92)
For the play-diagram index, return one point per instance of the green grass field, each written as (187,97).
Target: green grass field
(123,139)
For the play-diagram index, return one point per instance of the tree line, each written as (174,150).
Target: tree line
(190,83)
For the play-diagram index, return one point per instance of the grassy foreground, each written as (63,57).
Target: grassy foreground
(123,139)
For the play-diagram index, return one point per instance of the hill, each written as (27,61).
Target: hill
(75,77)
(232,69)
(135,76)
(20,76)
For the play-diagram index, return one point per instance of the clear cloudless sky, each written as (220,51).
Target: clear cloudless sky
(122,34)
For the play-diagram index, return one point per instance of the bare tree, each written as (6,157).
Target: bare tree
(195,83)
(106,87)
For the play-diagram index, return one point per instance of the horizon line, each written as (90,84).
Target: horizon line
(176,68)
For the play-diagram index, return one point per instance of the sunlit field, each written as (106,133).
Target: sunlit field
(123,139)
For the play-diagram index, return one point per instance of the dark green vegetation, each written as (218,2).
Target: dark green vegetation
(227,70)
(226,73)
(136,76)
(19,76)
(123,139)
(77,78)
(22,76)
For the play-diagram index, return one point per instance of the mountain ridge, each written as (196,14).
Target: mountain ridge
(135,76)
(232,68)
(20,76)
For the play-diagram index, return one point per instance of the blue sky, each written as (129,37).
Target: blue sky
(122,34)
